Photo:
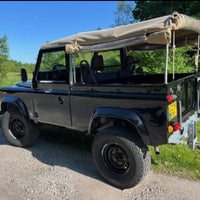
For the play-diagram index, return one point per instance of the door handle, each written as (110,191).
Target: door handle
(61,100)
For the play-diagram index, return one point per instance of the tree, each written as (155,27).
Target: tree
(145,10)
(50,59)
(3,55)
(154,61)
(123,15)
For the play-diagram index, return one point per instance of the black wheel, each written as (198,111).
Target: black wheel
(17,130)
(120,157)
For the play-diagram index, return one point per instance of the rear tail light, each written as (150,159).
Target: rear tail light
(170,129)
(177,126)
(170,98)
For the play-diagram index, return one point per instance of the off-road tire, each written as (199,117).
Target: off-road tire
(134,154)
(17,130)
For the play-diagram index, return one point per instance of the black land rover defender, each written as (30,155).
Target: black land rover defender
(90,82)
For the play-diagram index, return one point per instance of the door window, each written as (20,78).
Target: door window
(53,67)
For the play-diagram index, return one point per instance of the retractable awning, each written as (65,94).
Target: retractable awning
(152,33)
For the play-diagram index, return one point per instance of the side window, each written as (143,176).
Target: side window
(111,61)
(53,67)
(92,68)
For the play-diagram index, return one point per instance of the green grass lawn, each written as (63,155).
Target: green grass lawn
(173,159)
(177,160)
(12,78)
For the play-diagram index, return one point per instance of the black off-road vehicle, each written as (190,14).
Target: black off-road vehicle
(93,83)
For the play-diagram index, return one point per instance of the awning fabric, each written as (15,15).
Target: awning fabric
(154,33)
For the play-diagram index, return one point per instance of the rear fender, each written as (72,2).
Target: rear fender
(130,116)
(9,102)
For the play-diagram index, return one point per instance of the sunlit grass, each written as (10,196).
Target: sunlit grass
(12,78)
(177,160)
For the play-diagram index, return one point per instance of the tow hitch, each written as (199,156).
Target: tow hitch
(188,131)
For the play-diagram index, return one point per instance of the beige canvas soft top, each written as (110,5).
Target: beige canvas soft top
(153,33)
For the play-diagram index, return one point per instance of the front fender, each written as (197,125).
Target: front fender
(10,101)
(130,116)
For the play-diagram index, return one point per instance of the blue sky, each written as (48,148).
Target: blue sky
(28,25)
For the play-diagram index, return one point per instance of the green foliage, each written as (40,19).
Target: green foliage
(111,59)
(12,78)
(15,66)
(151,61)
(154,61)
(7,65)
(3,56)
(83,56)
(150,9)
(123,15)
(183,62)
(3,47)
(52,58)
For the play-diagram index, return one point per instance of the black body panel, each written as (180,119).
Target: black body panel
(80,102)
(149,102)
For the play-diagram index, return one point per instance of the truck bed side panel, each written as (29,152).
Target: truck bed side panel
(149,102)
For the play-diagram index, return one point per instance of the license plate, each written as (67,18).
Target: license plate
(172,110)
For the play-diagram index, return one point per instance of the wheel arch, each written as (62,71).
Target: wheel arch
(103,116)
(10,102)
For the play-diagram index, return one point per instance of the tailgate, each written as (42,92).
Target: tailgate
(183,111)
(185,90)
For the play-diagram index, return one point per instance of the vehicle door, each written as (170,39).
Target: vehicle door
(51,97)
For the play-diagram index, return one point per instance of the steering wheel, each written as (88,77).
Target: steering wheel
(82,63)
(55,70)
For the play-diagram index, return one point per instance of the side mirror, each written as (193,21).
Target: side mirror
(23,75)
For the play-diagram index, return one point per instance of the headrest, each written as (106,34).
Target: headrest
(97,63)
(129,61)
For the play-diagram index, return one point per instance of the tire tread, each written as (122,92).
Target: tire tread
(135,144)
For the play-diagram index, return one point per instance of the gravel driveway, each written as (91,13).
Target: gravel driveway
(53,170)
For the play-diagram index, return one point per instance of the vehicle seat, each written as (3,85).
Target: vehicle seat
(96,69)
(97,63)
(84,72)
(128,68)
(129,63)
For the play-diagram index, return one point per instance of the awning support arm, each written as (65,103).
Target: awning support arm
(74,66)
(70,69)
(166,63)
(197,54)
(174,49)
